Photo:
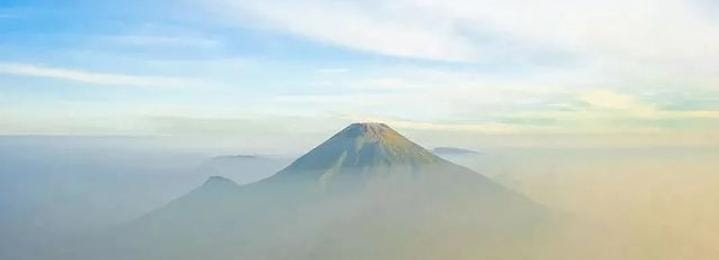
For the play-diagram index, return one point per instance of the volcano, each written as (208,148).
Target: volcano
(365,193)
(360,154)
(362,146)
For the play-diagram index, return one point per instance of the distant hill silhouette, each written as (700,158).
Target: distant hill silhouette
(452,151)
(242,168)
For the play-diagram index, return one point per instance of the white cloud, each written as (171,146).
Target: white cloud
(606,99)
(91,77)
(360,26)
(462,30)
(619,49)
(628,43)
(485,103)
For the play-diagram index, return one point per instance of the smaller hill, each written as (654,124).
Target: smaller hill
(452,151)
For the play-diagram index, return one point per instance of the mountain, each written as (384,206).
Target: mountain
(452,151)
(363,145)
(242,168)
(360,153)
(365,193)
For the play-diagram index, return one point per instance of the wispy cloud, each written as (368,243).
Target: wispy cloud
(484,104)
(469,30)
(162,41)
(606,99)
(332,70)
(90,77)
(629,43)
(620,52)
(353,25)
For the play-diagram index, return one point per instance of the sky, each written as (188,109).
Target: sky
(444,71)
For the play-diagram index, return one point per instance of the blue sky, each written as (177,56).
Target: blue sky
(219,67)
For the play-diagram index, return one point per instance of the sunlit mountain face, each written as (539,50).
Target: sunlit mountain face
(365,193)
(359,155)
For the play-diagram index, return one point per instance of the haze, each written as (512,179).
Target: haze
(604,114)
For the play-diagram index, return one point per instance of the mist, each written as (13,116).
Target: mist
(611,203)
(626,203)
(55,188)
